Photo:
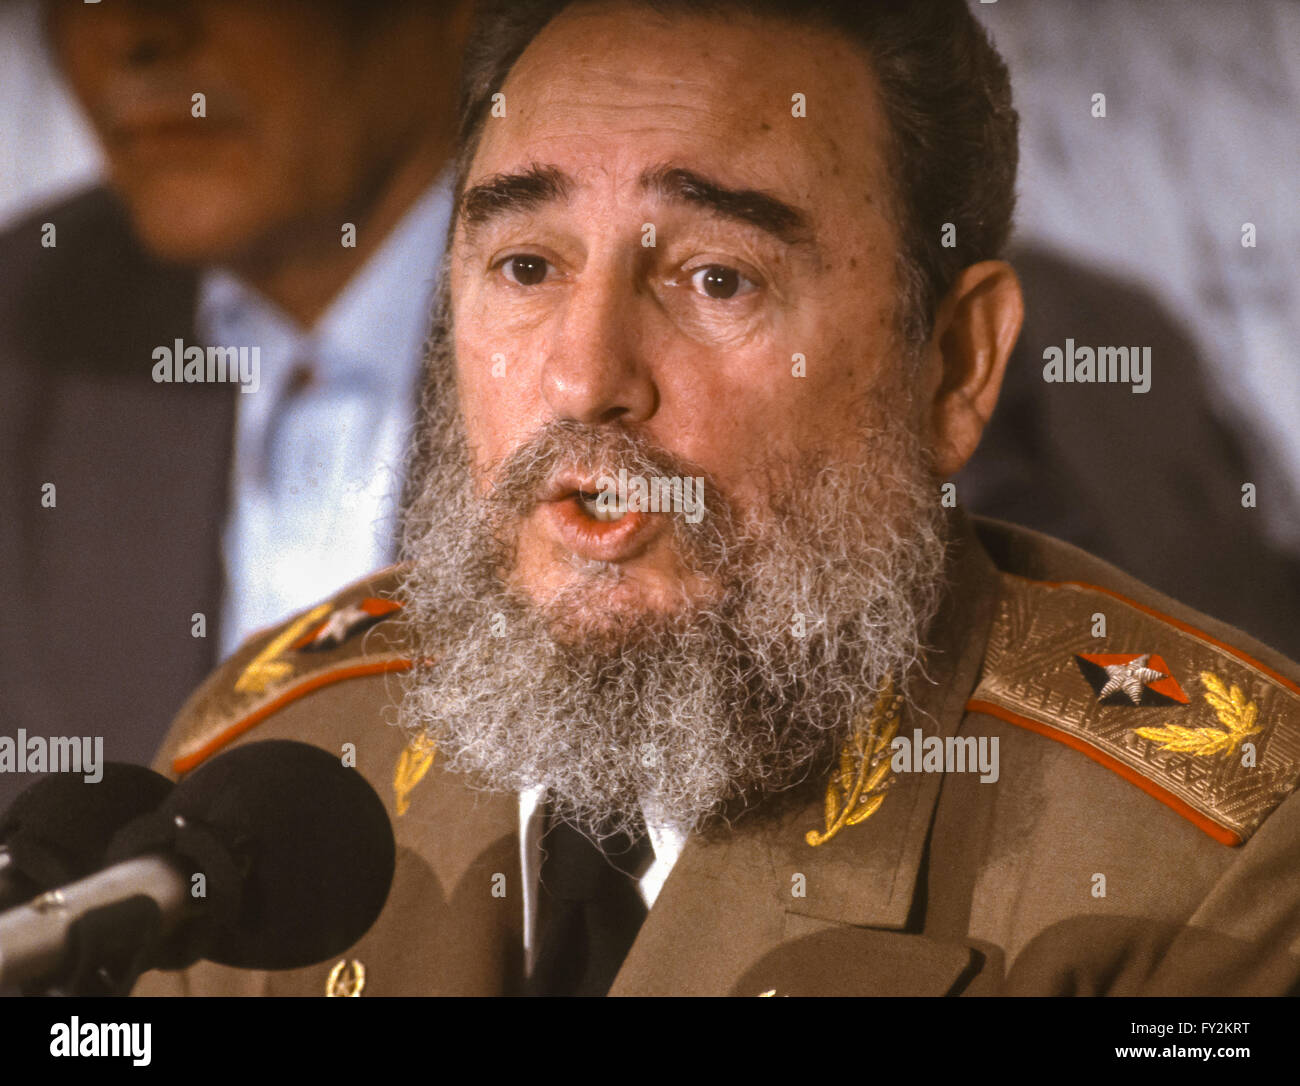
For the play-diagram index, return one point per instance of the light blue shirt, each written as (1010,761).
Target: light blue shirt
(320,447)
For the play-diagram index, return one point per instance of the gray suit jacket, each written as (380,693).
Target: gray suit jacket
(98,591)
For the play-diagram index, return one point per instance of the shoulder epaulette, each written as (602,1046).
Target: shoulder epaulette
(355,633)
(1200,725)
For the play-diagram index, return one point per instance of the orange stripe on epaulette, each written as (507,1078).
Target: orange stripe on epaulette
(314,682)
(1190,753)
(1224,837)
(1176,623)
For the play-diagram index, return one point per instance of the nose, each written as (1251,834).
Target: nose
(141,33)
(596,371)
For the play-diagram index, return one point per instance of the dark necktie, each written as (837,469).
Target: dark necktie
(589,910)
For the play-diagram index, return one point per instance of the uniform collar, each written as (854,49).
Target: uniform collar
(867,874)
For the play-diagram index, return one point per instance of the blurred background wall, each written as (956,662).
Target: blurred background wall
(46,149)
(1200,136)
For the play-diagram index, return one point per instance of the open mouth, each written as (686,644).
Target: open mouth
(607,511)
(594,523)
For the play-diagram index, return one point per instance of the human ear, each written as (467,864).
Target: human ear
(975,329)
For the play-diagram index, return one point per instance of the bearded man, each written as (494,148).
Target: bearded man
(793,723)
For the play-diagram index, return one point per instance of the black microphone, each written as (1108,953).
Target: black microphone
(271,856)
(58,830)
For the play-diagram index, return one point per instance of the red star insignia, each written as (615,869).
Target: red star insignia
(344,623)
(1130,678)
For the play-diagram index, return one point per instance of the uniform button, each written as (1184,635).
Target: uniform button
(347,978)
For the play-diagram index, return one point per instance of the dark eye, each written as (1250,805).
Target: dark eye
(525,270)
(719,282)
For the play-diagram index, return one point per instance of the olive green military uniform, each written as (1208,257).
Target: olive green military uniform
(1142,836)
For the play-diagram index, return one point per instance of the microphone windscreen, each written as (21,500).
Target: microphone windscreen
(58,830)
(296,851)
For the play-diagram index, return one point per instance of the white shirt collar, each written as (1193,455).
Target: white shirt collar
(376,324)
(666,843)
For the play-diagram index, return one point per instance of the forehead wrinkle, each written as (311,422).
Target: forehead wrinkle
(585,93)
(584,71)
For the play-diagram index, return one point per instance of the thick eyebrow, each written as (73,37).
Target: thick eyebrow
(511,193)
(773,216)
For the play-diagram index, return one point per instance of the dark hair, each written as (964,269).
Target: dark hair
(944,89)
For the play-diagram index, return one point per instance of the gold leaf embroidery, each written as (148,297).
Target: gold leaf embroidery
(265,668)
(858,789)
(1234,712)
(411,768)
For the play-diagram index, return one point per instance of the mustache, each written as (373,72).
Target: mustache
(564,448)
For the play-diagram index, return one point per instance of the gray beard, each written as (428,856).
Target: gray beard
(692,717)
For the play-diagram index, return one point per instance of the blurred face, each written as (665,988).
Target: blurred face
(306,112)
(660,274)
(772,244)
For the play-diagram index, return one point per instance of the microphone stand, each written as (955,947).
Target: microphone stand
(93,937)
(108,949)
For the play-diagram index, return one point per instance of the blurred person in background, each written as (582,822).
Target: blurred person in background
(276,182)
